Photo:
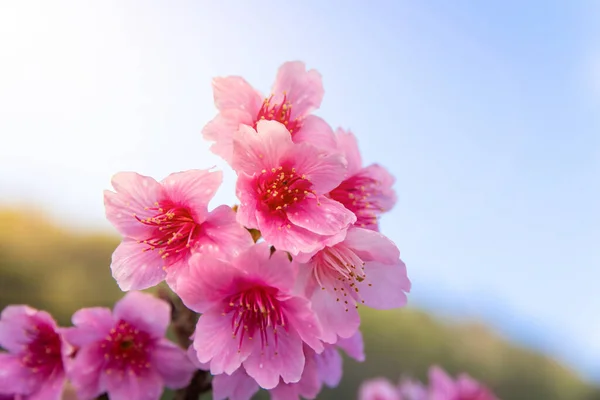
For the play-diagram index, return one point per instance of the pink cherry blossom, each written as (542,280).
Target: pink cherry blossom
(33,367)
(364,268)
(281,187)
(295,94)
(164,223)
(443,387)
(250,298)
(378,389)
(366,191)
(124,353)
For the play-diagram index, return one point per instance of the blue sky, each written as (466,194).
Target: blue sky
(486,112)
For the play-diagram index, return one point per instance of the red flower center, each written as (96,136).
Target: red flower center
(175,230)
(254,312)
(126,349)
(43,353)
(280,113)
(359,195)
(340,264)
(281,187)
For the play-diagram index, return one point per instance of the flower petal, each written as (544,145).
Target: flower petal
(91,324)
(316,131)
(85,371)
(388,285)
(323,216)
(371,245)
(136,269)
(52,387)
(304,321)
(237,386)
(304,89)
(213,342)
(354,346)
(324,170)
(234,92)
(13,377)
(15,321)
(144,311)
(329,365)
(172,364)
(134,192)
(285,360)
(221,128)
(193,189)
(335,320)
(223,233)
(254,151)
(347,144)
(140,387)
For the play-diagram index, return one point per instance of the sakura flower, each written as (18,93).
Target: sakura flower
(281,187)
(366,191)
(248,298)
(378,389)
(309,385)
(329,362)
(32,368)
(164,223)
(124,353)
(295,94)
(364,268)
(443,387)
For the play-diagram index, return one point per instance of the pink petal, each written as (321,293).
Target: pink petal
(138,387)
(254,151)
(85,370)
(325,170)
(223,233)
(246,213)
(193,189)
(309,385)
(440,382)
(144,311)
(389,285)
(329,365)
(52,387)
(354,346)
(134,192)
(304,88)
(291,238)
(209,281)
(323,217)
(92,324)
(348,145)
(136,269)
(234,92)
(213,342)
(274,270)
(237,386)
(332,314)
(305,322)
(221,129)
(15,321)
(378,389)
(316,131)
(285,391)
(371,245)
(13,377)
(266,367)
(191,354)
(172,364)
(386,198)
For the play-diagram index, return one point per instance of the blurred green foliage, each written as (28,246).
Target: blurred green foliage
(51,268)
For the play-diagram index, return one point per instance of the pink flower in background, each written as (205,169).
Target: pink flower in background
(412,390)
(296,93)
(367,192)
(163,223)
(281,187)
(378,389)
(364,268)
(443,387)
(32,368)
(249,298)
(124,353)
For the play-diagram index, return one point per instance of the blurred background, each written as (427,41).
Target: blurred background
(487,113)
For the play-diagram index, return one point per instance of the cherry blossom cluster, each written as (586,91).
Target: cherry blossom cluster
(441,387)
(275,280)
